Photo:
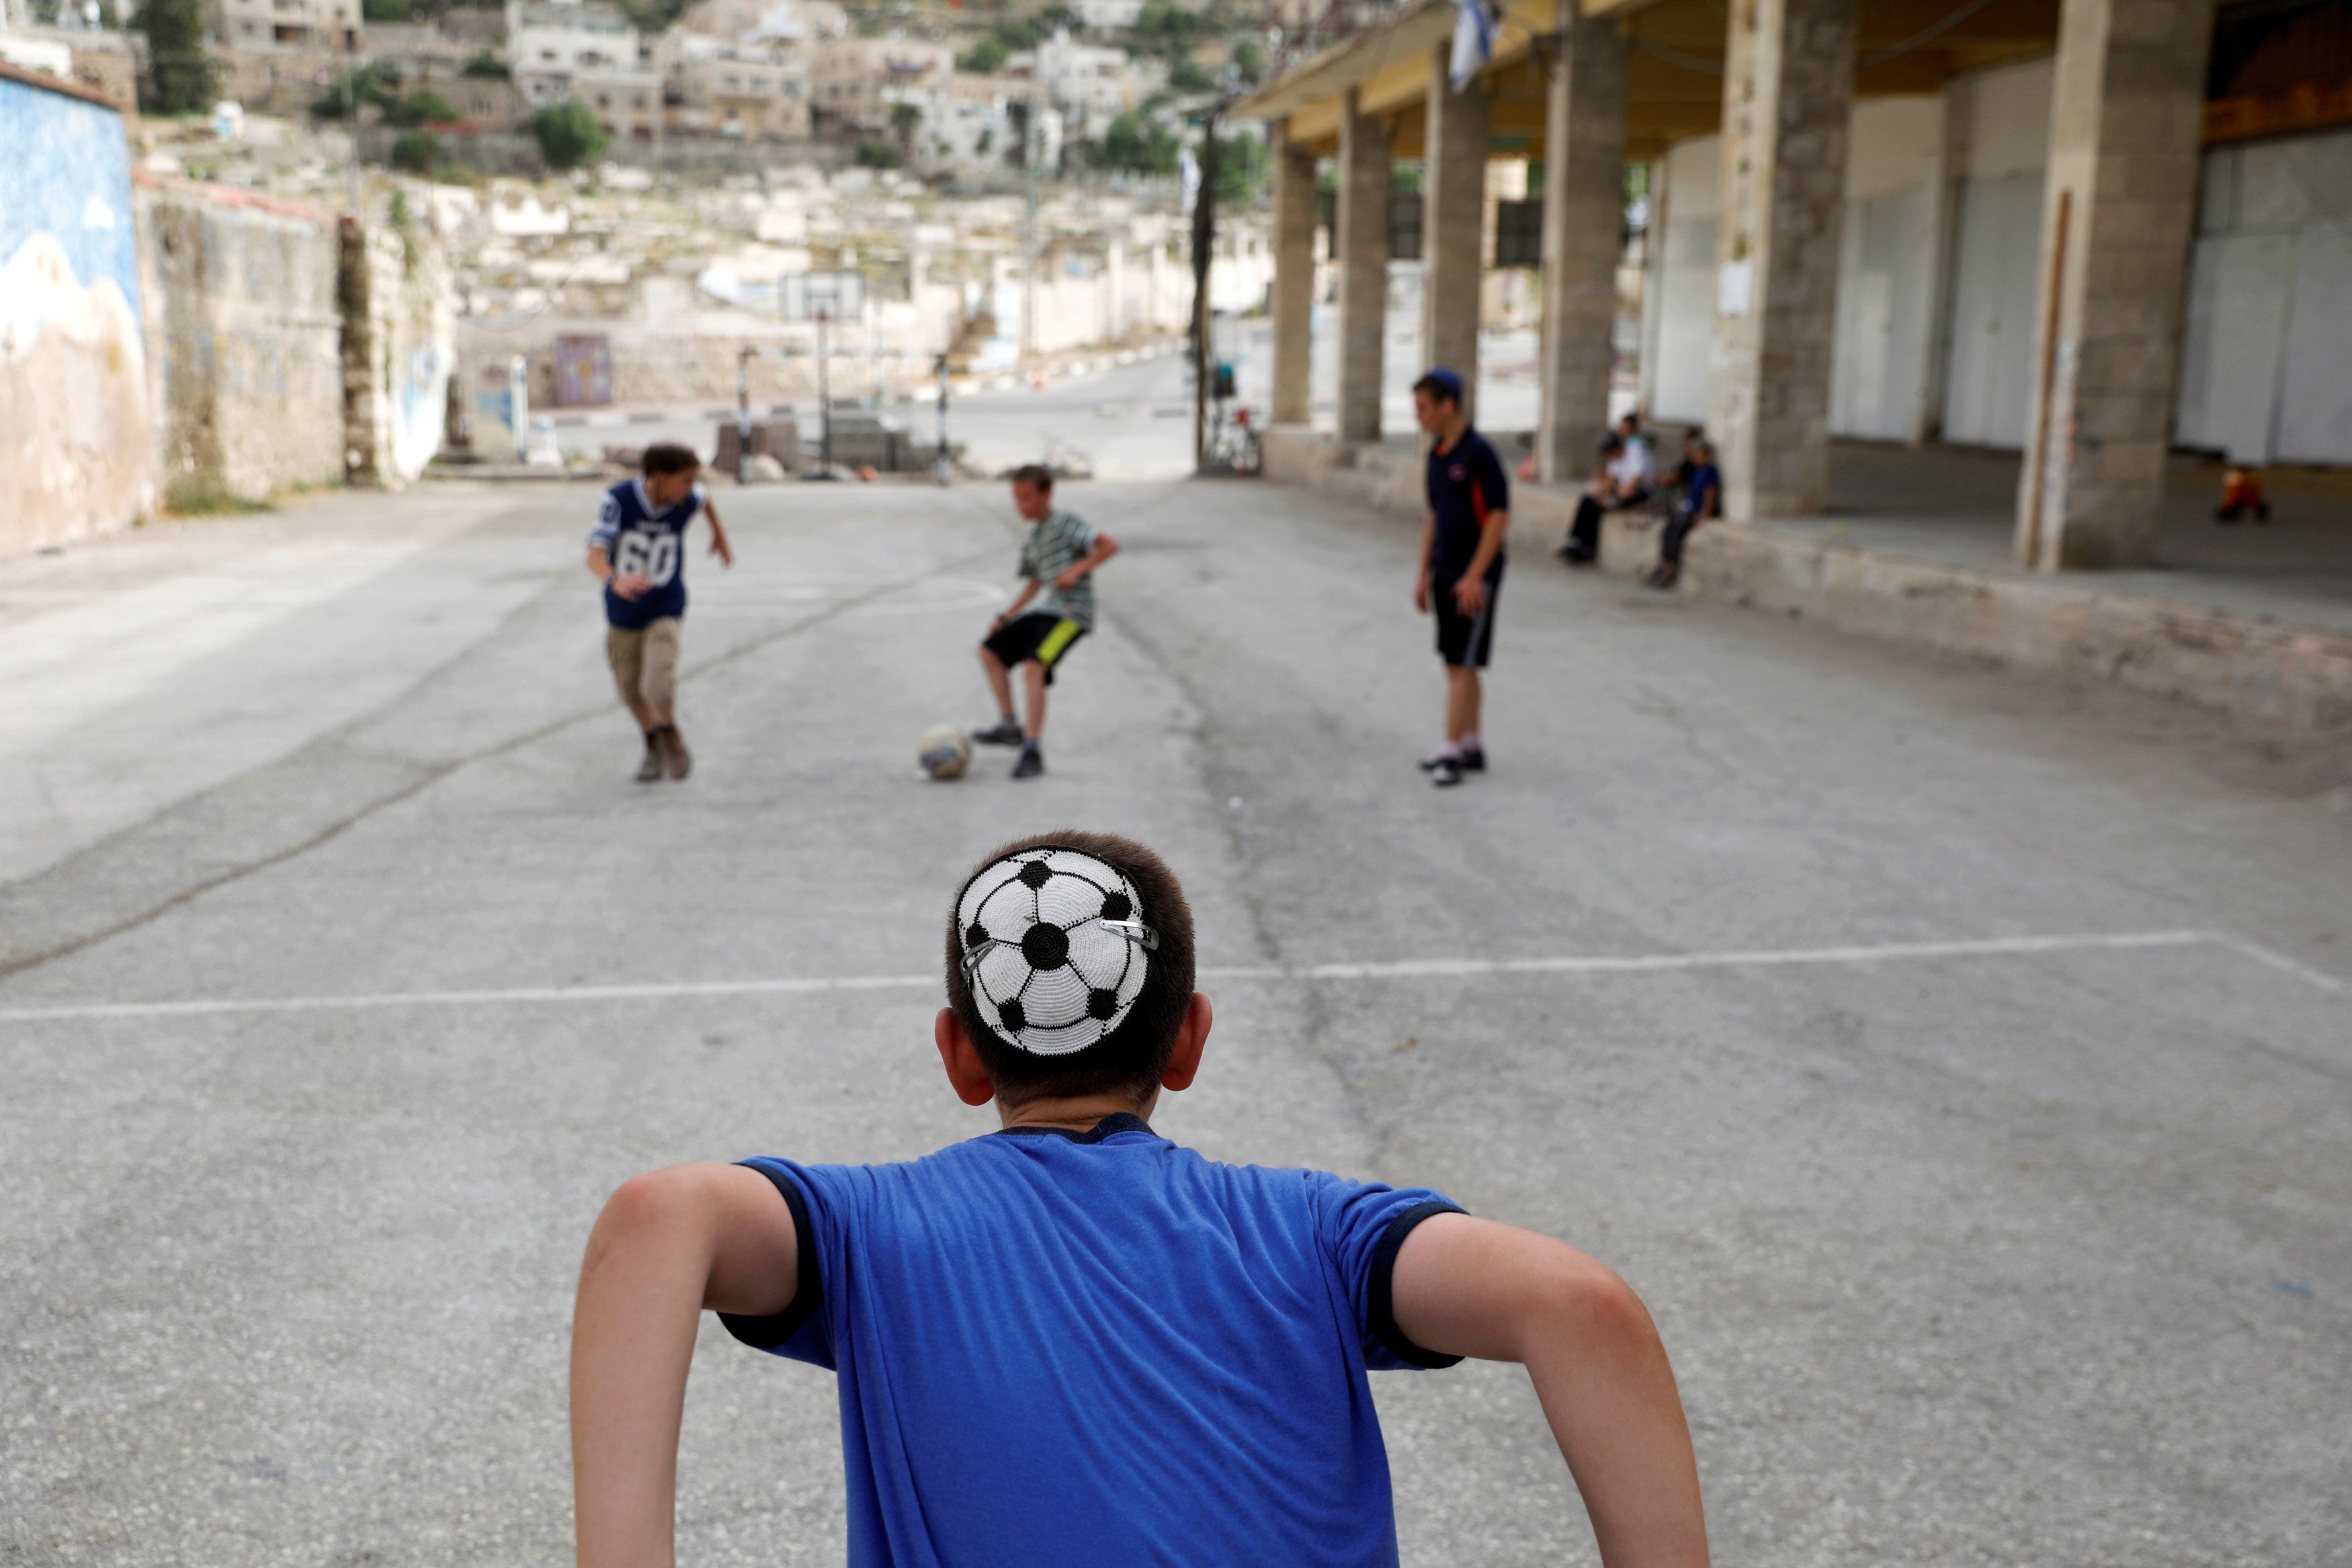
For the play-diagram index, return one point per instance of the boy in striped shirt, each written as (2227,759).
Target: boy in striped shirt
(1059,556)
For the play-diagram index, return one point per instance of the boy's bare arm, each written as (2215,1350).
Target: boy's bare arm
(718,545)
(1471,1287)
(668,1246)
(1028,592)
(1104,548)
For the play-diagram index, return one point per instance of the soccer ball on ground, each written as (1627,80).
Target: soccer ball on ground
(1053,947)
(945,752)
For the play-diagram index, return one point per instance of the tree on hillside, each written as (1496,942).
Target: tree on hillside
(1243,163)
(568,136)
(487,66)
(179,70)
(422,108)
(876,154)
(1185,75)
(376,86)
(416,151)
(904,119)
(985,58)
(1135,145)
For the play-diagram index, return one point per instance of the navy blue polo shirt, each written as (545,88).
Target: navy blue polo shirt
(1467,484)
(1056,1348)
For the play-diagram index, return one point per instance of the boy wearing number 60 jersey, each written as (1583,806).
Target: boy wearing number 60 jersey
(637,550)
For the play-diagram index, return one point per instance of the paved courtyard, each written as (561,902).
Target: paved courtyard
(1957,1063)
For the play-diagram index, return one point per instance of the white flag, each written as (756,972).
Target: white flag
(1474,41)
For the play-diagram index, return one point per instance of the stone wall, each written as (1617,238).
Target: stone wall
(399,352)
(245,333)
(74,425)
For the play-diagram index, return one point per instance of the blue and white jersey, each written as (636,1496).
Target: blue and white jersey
(637,539)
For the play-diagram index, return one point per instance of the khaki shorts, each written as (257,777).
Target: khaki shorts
(645,663)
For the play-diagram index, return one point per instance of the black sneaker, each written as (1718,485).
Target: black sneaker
(1031,763)
(1575,557)
(649,771)
(1474,760)
(1445,772)
(1003,732)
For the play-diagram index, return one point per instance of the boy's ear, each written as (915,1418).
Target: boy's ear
(1191,1038)
(966,1075)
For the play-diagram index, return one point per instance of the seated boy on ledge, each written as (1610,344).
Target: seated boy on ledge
(1074,1341)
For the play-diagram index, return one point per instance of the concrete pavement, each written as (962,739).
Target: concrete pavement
(1957,1063)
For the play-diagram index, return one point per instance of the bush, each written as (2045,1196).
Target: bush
(416,151)
(876,154)
(487,66)
(985,58)
(375,84)
(422,108)
(568,136)
(1249,58)
(1243,163)
(1186,75)
(384,10)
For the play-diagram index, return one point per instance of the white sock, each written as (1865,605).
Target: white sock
(1470,741)
(1452,748)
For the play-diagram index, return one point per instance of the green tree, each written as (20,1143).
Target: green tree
(384,10)
(416,151)
(179,73)
(1242,164)
(985,58)
(904,119)
(876,154)
(1186,75)
(568,136)
(376,85)
(1137,146)
(1249,58)
(487,66)
(423,106)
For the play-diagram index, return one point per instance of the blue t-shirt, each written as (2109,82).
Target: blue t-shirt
(1704,479)
(1466,482)
(1056,1348)
(637,538)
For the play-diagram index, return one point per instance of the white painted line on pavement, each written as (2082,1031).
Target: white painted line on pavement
(1408,969)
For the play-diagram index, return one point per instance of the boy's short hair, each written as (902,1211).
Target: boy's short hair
(670,457)
(1131,1058)
(1441,384)
(1040,478)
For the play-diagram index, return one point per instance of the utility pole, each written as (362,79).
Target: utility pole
(743,416)
(1204,239)
(1032,139)
(351,117)
(823,396)
(943,465)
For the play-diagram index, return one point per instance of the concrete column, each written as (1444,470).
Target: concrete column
(1787,86)
(1294,281)
(1452,222)
(1584,199)
(1365,175)
(2126,119)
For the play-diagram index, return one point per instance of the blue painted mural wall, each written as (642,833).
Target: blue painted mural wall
(65,171)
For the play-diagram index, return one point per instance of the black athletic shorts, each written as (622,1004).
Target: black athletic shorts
(1465,639)
(1040,635)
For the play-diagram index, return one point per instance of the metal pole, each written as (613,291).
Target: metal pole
(823,398)
(1205,237)
(743,416)
(1032,138)
(943,466)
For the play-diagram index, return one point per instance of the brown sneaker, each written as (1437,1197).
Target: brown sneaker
(674,751)
(650,769)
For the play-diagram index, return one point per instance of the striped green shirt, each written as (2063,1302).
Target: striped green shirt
(1053,546)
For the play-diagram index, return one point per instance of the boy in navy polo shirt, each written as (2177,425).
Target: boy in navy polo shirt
(1461,567)
(637,550)
(1073,1342)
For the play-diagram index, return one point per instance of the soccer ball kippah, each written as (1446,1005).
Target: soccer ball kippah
(1055,948)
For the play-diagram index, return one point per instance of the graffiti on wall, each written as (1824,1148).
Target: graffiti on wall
(74,426)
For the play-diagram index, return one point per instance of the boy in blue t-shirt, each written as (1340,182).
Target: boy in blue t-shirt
(1075,1341)
(1702,500)
(637,550)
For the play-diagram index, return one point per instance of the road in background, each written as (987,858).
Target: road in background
(1956,1063)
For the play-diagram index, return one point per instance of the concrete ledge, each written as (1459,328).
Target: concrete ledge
(2064,625)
